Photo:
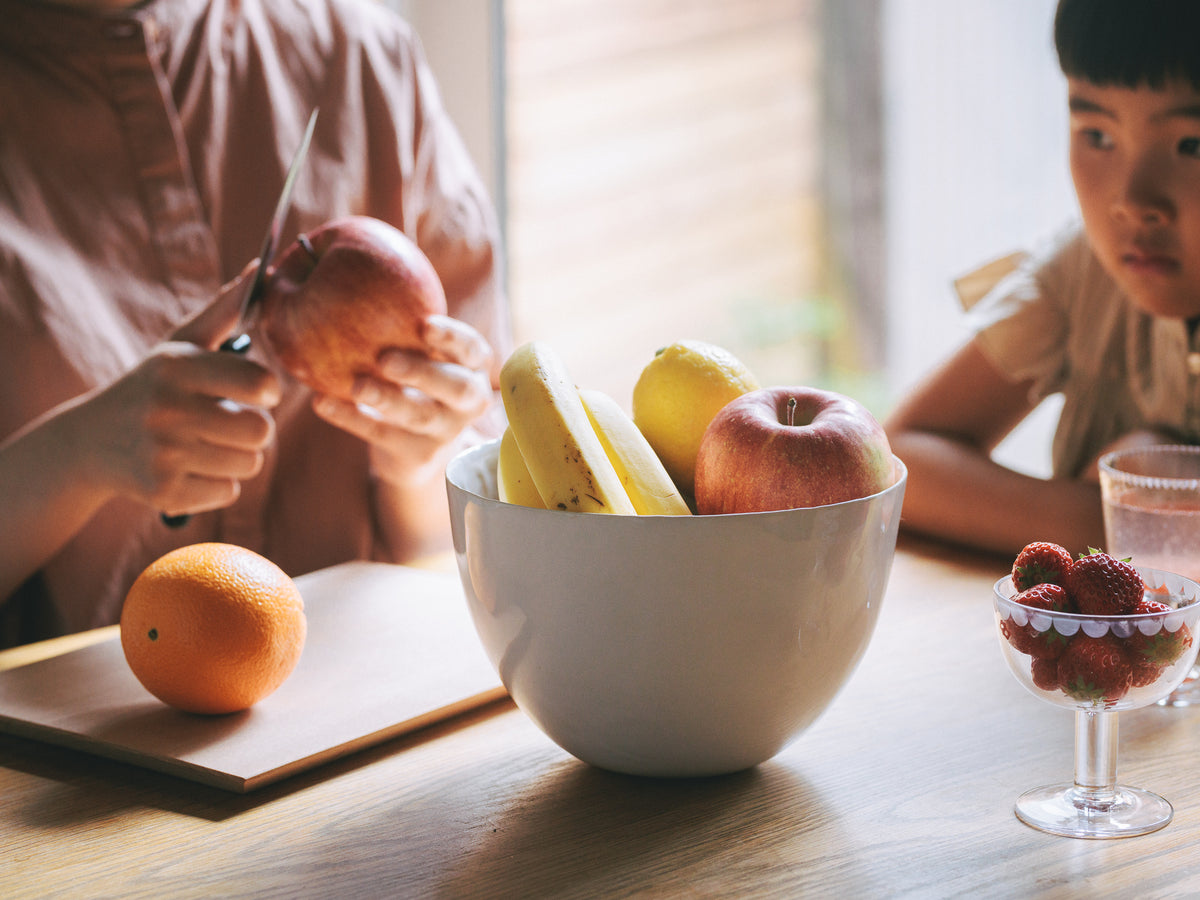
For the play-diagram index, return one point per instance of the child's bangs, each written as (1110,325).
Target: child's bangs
(1129,42)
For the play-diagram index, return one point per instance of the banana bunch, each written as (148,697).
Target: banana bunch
(574,450)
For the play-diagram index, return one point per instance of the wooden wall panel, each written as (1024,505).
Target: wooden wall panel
(663,166)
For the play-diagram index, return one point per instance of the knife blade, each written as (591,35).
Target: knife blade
(240,341)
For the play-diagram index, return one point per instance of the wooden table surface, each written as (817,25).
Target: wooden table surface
(903,788)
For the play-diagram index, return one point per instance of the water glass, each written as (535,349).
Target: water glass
(1151,501)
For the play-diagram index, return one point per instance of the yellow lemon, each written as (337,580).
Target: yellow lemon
(677,395)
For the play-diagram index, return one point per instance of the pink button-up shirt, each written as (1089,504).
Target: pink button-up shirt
(140,158)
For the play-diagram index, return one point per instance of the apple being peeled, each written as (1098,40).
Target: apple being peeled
(341,294)
(790,447)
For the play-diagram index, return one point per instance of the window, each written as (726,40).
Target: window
(799,180)
(661,179)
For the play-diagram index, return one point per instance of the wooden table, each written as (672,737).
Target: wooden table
(903,788)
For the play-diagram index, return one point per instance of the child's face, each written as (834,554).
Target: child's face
(1135,160)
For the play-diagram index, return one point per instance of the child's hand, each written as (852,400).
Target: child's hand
(415,408)
(188,424)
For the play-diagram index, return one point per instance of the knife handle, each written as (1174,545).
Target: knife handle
(237,344)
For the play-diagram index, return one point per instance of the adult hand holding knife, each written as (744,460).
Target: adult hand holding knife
(240,341)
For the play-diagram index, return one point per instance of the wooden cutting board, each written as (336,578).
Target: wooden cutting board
(389,649)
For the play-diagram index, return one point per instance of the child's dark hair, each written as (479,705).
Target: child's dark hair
(1129,43)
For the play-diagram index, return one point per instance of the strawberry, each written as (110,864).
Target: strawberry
(1103,586)
(1048,644)
(1095,669)
(1161,648)
(1145,673)
(1045,673)
(1041,563)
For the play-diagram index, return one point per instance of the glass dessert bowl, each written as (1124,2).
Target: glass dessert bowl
(1097,666)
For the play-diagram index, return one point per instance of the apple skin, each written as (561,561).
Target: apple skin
(364,287)
(752,460)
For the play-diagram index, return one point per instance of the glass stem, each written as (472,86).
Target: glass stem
(1095,757)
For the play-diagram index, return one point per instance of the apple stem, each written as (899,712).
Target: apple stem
(304,242)
(791,411)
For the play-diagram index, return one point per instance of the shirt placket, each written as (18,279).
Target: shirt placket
(177,224)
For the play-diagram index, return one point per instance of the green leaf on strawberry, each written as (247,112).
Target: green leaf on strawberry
(1162,647)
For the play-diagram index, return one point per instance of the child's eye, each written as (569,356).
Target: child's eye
(1096,138)
(1190,146)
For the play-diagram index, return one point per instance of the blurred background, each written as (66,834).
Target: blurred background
(796,180)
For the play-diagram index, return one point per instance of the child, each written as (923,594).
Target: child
(1105,315)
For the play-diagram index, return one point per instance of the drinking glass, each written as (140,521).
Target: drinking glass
(1094,805)
(1152,517)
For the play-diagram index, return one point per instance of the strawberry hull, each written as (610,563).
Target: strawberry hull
(1158,647)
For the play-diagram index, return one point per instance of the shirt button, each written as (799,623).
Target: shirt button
(1193,363)
(122,30)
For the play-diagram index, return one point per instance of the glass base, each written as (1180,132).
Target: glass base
(1064,809)
(1188,692)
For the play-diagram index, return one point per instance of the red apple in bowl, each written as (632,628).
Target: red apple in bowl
(341,294)
(790,447)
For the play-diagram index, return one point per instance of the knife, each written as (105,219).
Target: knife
(240,341)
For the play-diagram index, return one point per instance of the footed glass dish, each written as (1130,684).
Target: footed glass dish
(1097,666)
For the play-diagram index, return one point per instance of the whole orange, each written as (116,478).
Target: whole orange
(212,628)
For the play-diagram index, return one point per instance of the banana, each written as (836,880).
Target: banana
(565,457)
(641,471)
(512,475)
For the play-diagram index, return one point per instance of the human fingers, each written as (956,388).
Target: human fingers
(169,434)
(198,476)
(454,340)
(183,369)
(230,429)
(398,453)
(415,391)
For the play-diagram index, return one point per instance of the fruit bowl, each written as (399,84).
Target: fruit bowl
(670,645)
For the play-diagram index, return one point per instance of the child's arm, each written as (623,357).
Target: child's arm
(945,432)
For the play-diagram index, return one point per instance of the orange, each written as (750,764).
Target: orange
(212,628)
(676,396)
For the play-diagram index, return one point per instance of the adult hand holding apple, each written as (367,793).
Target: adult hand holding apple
(790,447)
(356,311)
(343,293)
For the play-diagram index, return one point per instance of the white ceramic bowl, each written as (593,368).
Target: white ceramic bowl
(670,646)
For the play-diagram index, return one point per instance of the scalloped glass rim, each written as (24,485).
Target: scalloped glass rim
(1183,595)
(1108,465)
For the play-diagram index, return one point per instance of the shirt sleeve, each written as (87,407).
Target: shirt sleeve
(1019,317)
